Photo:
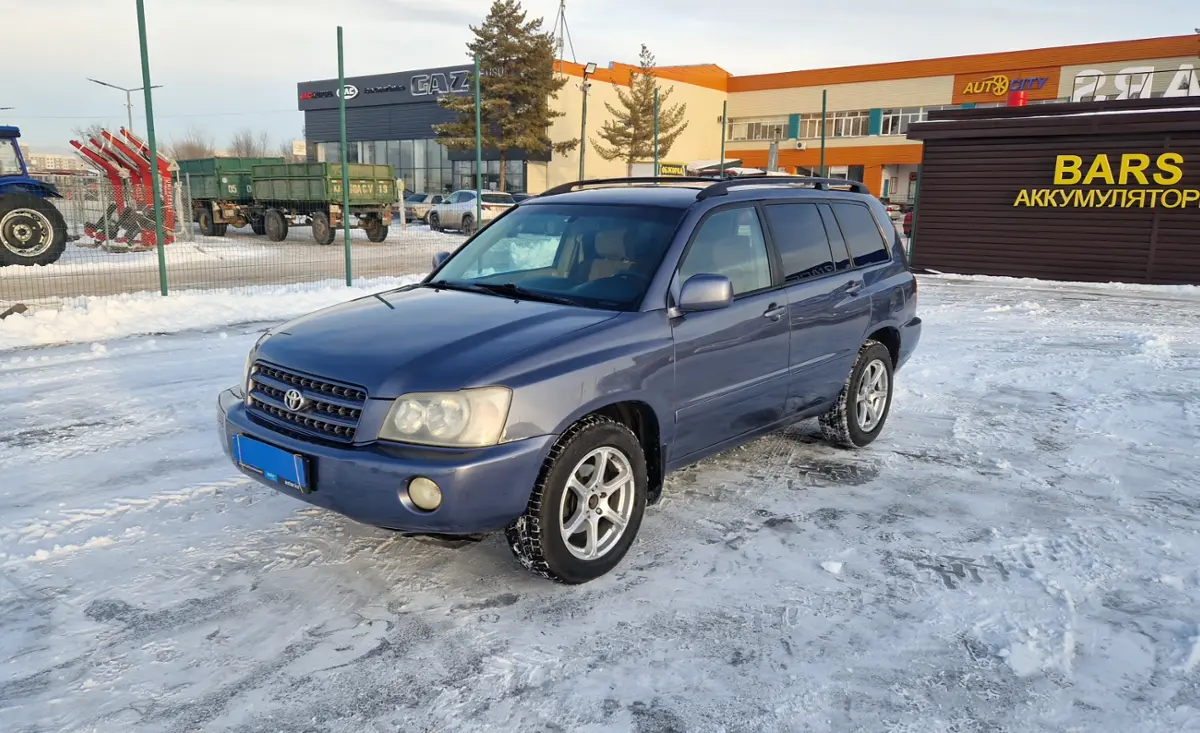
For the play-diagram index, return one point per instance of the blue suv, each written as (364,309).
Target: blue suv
(545,377)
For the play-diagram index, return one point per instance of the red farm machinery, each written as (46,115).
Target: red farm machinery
(128,218)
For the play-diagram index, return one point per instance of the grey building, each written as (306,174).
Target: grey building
(390,119)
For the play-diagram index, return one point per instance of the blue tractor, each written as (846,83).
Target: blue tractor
(32,231)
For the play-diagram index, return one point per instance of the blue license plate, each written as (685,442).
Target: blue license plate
(271,463)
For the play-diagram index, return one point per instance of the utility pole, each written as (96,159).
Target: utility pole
(128,97)
(155,183)
(588,70)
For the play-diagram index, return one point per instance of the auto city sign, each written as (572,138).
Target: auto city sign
(1000,85)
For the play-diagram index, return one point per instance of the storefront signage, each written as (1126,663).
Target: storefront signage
(672,169)
(994,87)
(439,83)
(1136,81)
(406,87)
(1000,85)
(1119,181)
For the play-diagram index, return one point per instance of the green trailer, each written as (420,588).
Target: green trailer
(220,188)
(272,196)
(311,194)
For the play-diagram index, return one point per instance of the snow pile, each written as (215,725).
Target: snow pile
(99,318)
(1153,347)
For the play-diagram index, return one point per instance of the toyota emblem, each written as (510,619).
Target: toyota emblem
(294,401)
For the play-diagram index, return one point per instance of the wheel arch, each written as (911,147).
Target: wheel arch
(643,420)
(889,336)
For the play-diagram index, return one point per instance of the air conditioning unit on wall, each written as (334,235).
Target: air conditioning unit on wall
(801,145)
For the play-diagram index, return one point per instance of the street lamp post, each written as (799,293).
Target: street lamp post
(128,97)
(588,70)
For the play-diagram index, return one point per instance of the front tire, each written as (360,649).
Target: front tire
(435,223)
(586,507)
(862,408)
(468,225)
(32,230)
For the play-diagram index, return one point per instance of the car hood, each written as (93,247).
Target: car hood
(420,339)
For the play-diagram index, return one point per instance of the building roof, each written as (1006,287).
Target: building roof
(1090,53)
(712,76)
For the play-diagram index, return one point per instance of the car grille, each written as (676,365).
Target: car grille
(331,410)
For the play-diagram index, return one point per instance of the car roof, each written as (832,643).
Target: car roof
(684,195)
(672,196)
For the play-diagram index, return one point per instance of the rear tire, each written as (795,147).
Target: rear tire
(376,231)
(321,228)
(862,408)
(220,229)
(205,220)
(468,224)
(567,497)
(32,230)
(275,226)
(258,226)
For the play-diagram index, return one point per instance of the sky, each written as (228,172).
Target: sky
(228,65)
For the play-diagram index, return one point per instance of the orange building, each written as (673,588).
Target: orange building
(869,107)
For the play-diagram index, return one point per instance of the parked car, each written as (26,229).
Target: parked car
(458,211)
(545,378)
(908,222)
(417,205)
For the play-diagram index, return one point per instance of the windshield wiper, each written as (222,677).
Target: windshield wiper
(507,290)
(512,290)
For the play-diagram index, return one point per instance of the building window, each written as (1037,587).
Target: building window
(897,120)
(810,126)
(850,124)
(774,128)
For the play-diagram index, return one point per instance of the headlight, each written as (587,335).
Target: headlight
(469,418)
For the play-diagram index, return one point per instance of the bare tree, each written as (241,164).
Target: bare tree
(195,143)
(84,133)
(285,152)
(249,144)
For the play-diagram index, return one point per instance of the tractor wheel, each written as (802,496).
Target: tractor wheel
(322,231)
(32,231)
(219,229)
(376,231)
(205,219)
(275,225)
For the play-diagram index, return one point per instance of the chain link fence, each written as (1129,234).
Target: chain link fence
(110,249)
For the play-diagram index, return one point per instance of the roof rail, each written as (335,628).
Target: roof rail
(573,185)
(821,184)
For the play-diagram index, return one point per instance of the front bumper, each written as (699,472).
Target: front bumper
(482,489)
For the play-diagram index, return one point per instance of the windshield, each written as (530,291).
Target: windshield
(415,198)
(595,256)
(8,159)
(497,198)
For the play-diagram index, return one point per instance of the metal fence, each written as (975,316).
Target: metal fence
(240,259)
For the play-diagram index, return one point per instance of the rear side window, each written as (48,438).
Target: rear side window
(800,236)
(862,235)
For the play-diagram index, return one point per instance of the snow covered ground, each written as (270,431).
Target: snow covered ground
(1017,553)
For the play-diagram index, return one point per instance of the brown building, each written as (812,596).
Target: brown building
(1092,191)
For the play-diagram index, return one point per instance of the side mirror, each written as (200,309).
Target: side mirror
(705,293)
(439,258)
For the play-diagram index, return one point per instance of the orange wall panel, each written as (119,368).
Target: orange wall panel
(1092,53)
(865,155)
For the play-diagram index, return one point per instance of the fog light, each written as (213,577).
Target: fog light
(424,493)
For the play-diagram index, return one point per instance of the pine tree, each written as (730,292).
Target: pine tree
(517,82)
(630,134)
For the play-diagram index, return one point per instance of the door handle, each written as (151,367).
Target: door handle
(853,288)
(775,312)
